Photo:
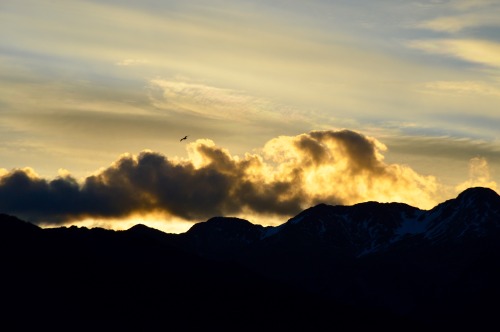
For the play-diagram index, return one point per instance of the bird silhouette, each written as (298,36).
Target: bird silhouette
(185,137)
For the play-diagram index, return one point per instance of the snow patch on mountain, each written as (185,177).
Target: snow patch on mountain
(411,225)
(270,231)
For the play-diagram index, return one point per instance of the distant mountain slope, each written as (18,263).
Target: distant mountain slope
(361,229)
(436,266)
(378,265)
(96,279)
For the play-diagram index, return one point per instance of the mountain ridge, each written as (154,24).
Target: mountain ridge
(400,220)
(389,264)
(393,256)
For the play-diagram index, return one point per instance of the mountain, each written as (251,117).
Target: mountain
(369,265)
(437,267)
(357,230)
(97,279)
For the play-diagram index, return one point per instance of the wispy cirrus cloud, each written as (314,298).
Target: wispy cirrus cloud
(470,4)
(482,52)
(456,23)
(469,25)
(132,62)
(208,101)
(214,102)
(462,88)
(455,16)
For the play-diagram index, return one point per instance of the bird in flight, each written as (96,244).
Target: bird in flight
(185,137)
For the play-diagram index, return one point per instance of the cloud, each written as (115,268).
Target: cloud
(132,62)
(462,88)
(199,99)
(475,51)
(479,175)
(289,174)
(183,96)
(423,144)
(453,24)
(470,4)
(460,15)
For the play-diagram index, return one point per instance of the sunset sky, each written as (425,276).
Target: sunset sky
(286,104)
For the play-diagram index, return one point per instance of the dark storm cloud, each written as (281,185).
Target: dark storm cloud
(291,174)
(358,149)
(148,183)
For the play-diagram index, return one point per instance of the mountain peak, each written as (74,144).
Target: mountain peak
(478,193)
(139,228)
(143,230)
(218,223)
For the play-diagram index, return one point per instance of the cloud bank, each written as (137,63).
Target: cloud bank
(288,174)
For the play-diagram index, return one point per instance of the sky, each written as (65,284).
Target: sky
(286,104)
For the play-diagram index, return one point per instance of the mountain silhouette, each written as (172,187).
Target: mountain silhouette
(369,265)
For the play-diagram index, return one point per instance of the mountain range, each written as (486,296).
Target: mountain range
(368,265)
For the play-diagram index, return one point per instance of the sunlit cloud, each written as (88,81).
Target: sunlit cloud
(3,172)
(289,174)
(461,88)
(132,62)
(470,4)
(456,5)
(479,175)
(424,144)
(461,15)
(203,99)
(476,51)
(208,101)
(453,24)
